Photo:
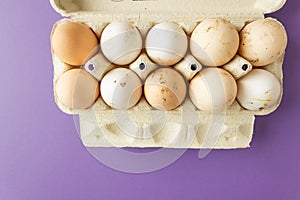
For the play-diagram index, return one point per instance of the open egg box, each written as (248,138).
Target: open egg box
(142,125)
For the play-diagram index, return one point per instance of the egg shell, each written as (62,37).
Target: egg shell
(213,90)
(263,41)
(214,42)
(258,90)
(121,88)
(121,42)
(74,43)
(166,43)
(165,89)
(77,89)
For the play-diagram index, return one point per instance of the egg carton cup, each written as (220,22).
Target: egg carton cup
(143,126)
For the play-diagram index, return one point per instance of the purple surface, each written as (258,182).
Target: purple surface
(41,156)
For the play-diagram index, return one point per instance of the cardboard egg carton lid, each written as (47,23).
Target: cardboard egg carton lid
(100,125)
(140,7)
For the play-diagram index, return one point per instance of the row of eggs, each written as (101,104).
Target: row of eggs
(211,90)
(214,42)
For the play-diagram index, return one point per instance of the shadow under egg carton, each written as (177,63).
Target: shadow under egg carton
(99,125)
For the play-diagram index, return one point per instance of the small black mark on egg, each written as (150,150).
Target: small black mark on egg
(123,84)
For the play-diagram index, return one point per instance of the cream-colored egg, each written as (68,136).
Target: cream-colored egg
(263,41)
(165,89)
(166,43)
(74,43)
(214,42)
(121,42)
(258,90)
(121,88)
(77,89)
(213,90)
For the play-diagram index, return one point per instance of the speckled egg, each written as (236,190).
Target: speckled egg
(263,41)
(258,90)
(121,88)
(165,89)
(214,42)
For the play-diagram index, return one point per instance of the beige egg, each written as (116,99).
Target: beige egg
(74,43)
(258,90)
(214,42)
(213,90)
(165,89)
(121,88)
(77,89)
(263,41)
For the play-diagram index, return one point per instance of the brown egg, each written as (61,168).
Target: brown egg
(74,43)
(77,89)
(165,89)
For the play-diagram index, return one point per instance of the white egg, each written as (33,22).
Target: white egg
(166,43)
(121,43)
(258,90)
(121,88)
(213,90)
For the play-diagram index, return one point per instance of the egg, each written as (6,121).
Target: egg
(165,89)
(238,67)
(77,89)
(166,43)
(263,41)
(258,90)
(213,90)
(121,42)
(121,88)
(214,42)
(74,43)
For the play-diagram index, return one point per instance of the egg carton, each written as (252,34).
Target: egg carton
(142,125)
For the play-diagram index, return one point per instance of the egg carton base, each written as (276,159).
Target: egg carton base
(224,132)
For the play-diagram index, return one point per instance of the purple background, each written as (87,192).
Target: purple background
(41,156)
